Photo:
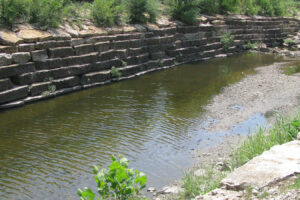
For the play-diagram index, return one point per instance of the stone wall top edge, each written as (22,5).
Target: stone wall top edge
(26,33)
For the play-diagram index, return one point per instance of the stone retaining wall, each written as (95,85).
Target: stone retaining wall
(36,65)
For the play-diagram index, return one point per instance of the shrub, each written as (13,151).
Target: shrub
(142,11)
(184,10)
(47,12)
(252,45)
(11,10)
(115,73)
(226,40)
(116,182)
(209,7)
(106,12)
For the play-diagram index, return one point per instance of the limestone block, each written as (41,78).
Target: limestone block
(21,57)
(26,47)
(16,69)
(5,59)
(95,77)
(13,94)
(9,38)
(38,88)
(39,55)
(5,84)
(84,49)
(49,64)
(34,35)
(61,52)
(66,82)
(102,46)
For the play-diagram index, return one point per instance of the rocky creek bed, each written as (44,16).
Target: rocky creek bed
(272,93)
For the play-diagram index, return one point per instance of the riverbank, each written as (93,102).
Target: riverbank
(41,64)
(269,92)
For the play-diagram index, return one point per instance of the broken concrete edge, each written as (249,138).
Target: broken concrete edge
(257,174)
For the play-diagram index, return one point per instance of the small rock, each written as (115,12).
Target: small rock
(170,190)
(151,189)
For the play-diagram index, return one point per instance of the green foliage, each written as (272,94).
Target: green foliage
(46,12)
(116,182)
(186,11)
(115,72)
(252,45)
(289,42)
(227,40)
(209,7)
(142,11)
(106,12)
(12,10)
(199,185)
(284,131)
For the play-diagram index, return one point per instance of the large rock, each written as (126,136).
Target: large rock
(9,38)
(274,165)
(39,55)
(5,59)
(13,94)
(34,35)
(21,57)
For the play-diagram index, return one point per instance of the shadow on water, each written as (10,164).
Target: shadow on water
(48,148)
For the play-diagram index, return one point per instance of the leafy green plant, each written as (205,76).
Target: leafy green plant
(106,12)
(12,10)
(115,72)
(116,182)
(289,42)
(227,40)
(142,11)
(252,45)
(47,13)
(186,11)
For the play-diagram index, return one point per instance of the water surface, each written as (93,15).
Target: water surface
(48,148)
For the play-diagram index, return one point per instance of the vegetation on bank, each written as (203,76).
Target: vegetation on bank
(50,13)
(116,182)
(284,130)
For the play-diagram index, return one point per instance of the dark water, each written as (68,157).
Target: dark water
(48,148)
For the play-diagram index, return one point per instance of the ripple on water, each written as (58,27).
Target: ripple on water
(48,148)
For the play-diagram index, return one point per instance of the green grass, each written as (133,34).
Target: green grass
(292,68)
(284,130)
(296,184)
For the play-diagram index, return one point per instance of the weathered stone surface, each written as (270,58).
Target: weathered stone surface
(38,88)
(12,70)
(53,44)
(170,190)
(70,71)
(34,35)
(84,49)
(272,166)
(78,41)
(8,49)
(9,38)
(112,54)
(49,64)
(39,55)
(13,94)
(79,60)
(5,59)
(95,77)
(61,52)
(21,57)
(5,84)
(26,47)
(102,46)
(66,82)
(59,34)
(32,77)
(104,65)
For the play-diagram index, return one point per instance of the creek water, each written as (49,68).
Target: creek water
(48,148)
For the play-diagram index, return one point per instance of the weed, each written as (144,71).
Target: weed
(227,40)
(252,45)
(124,63)
(12,10)
(116,182)
(184,10)
(289,42)
(115,72)
(160,62)
(142,11)
(106,12)
(296,184)
(51,88)
(198,185)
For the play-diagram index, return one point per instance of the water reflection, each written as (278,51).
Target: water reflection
(48,148)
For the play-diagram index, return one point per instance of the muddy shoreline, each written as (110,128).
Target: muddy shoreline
(269,91)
